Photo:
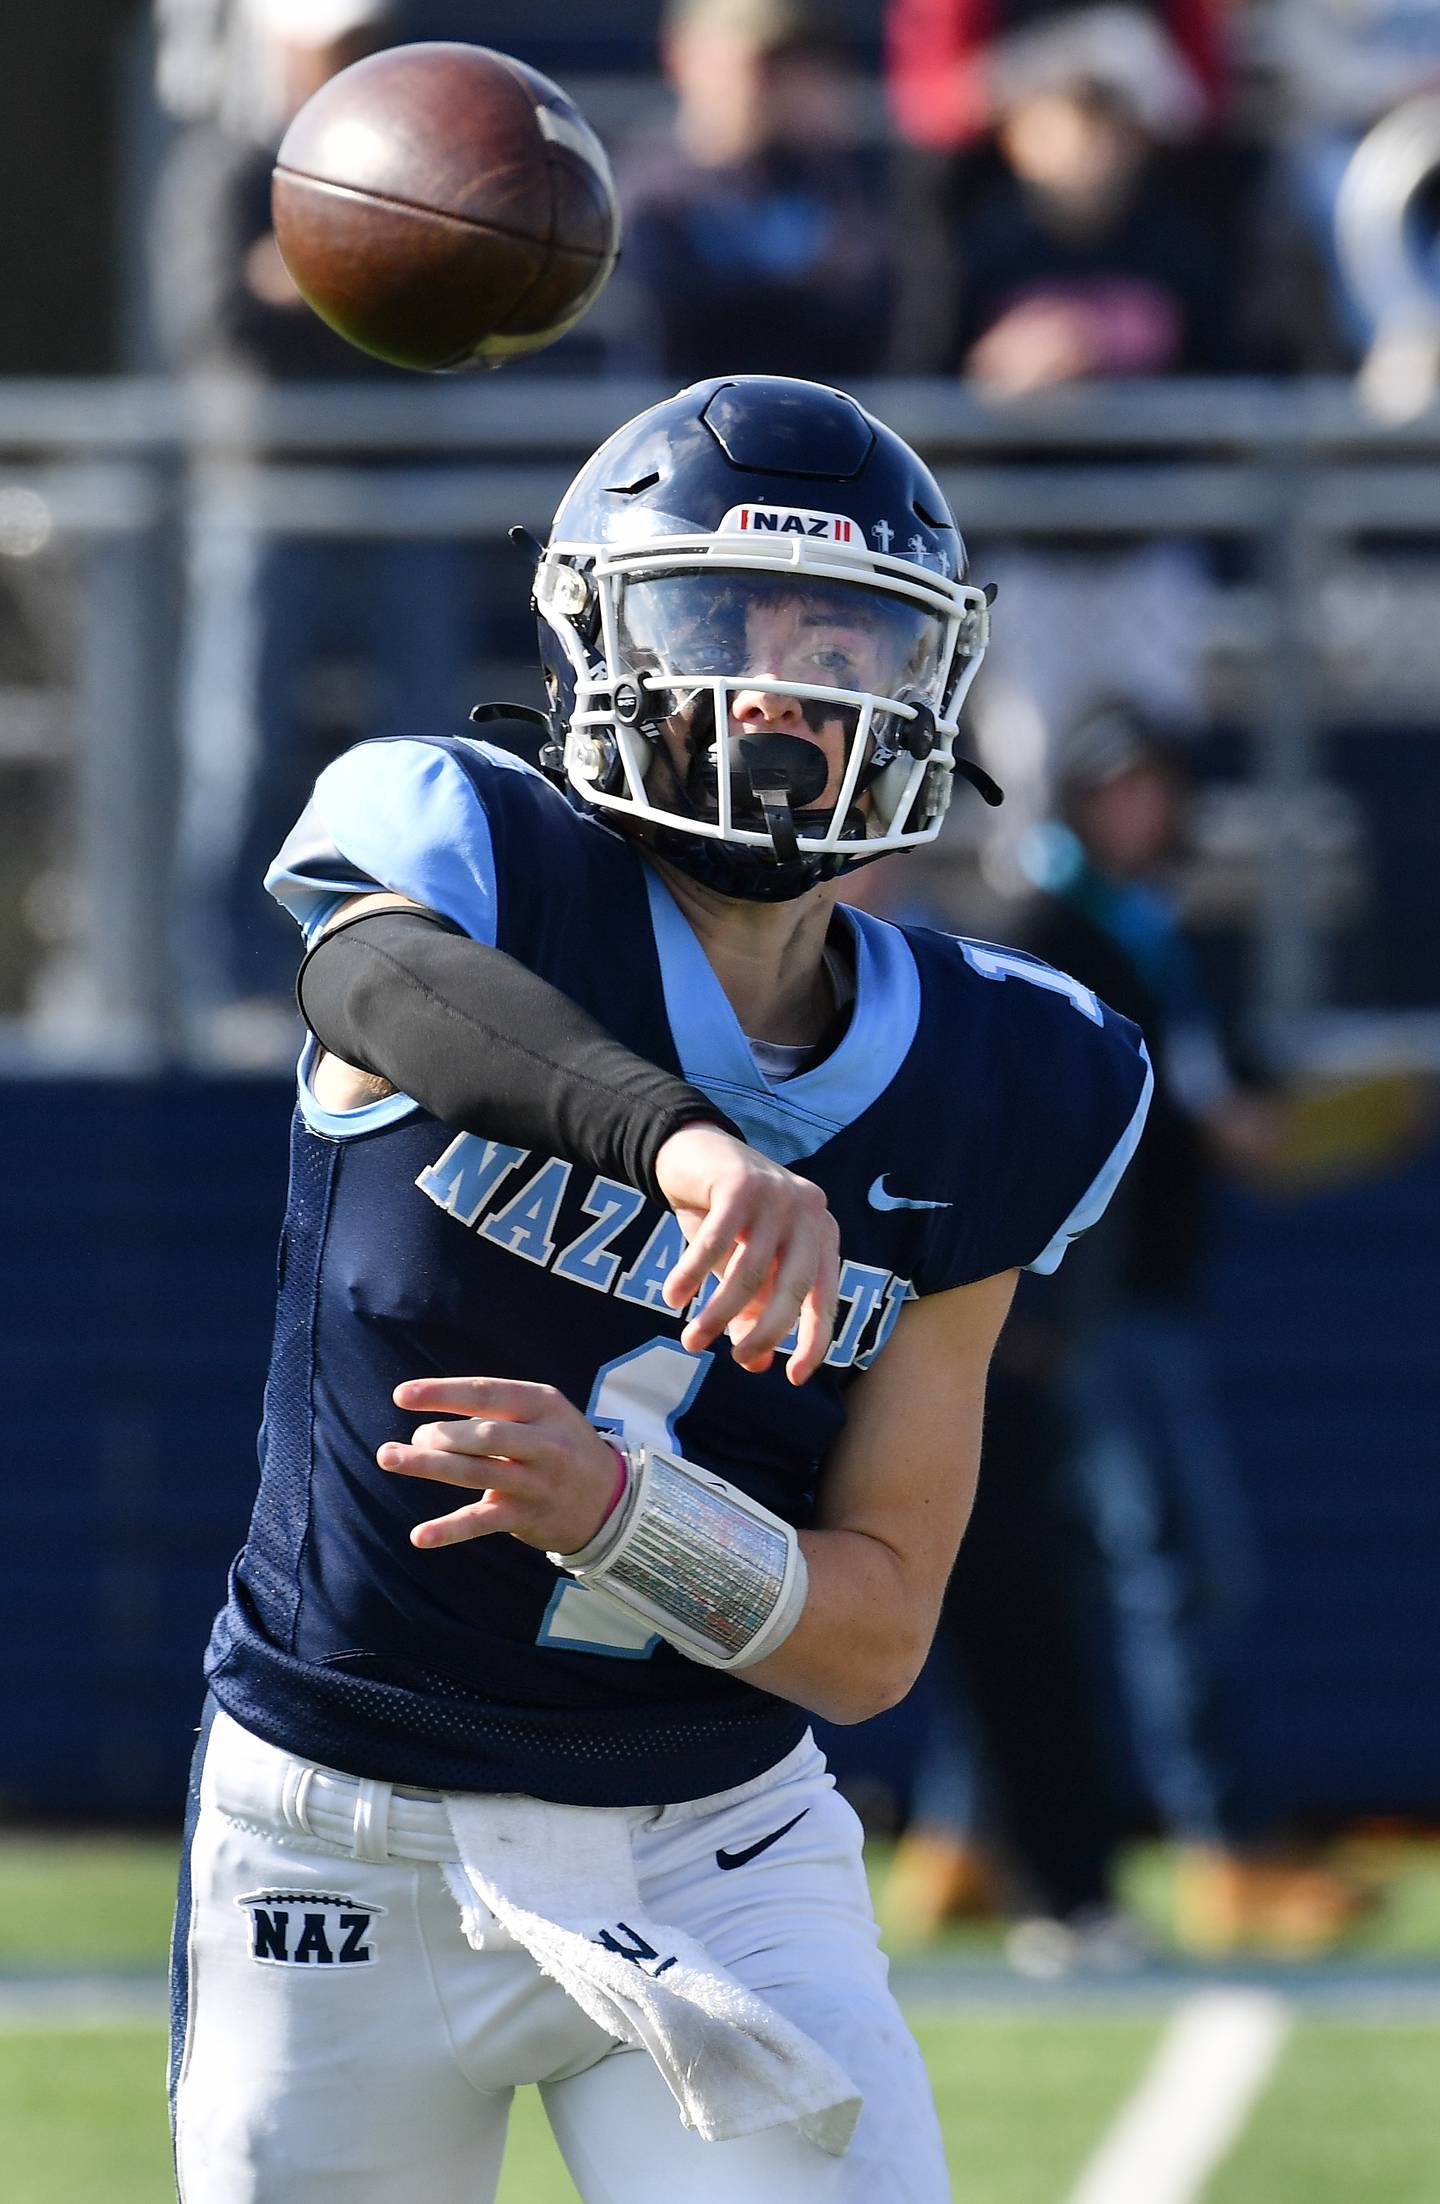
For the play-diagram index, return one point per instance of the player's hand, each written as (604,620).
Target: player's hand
(769,1239)
(541,1471)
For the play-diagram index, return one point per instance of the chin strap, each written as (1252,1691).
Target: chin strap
(919,736)
(771,785)
(552,749)
(480,713)
(980,780)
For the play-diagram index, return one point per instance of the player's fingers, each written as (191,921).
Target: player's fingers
(710,1249)
(444,1467)
(816,1328)
(807,1248)
(480,1520)
(742,1280)
(740,1323)
(490,1438)
(740,1327)
(778,1309)
(476,1396)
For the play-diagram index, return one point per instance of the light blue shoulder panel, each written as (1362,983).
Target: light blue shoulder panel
(399,815)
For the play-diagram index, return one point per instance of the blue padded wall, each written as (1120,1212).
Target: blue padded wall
(137,1233)
(1326,1328)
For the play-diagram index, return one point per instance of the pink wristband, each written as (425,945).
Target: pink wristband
(622,1479)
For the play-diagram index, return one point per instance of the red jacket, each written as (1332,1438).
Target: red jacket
(937,51)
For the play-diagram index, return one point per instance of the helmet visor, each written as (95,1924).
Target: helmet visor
(781,631)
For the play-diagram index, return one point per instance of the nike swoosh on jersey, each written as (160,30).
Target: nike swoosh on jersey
(880,1199)
(753,1851)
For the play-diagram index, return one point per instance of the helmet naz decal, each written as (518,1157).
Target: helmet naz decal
(789,520)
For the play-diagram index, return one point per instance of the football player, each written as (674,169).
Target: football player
(652,1218)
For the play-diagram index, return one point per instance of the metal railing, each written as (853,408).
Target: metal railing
(119,470)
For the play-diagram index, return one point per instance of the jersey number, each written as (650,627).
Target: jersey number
(1005,964)
(640,1397)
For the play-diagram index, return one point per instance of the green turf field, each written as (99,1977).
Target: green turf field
(1026,2090)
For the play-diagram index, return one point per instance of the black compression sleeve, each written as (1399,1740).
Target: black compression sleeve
(488,1047)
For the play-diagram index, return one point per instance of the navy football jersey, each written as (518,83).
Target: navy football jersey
(976,1114)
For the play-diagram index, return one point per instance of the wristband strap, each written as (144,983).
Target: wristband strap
(622,1480)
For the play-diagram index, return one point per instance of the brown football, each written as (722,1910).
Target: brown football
(444,206)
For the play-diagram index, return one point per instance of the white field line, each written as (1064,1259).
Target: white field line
(96,2001)
(1192,2102)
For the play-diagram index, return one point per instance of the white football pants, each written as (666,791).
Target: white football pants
(339,2042)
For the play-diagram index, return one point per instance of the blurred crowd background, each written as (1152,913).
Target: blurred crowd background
(1156,289)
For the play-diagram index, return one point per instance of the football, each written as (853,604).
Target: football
(444,206)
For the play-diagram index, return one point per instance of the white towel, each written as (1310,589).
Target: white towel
(556,1878)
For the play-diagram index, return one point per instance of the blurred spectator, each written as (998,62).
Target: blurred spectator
(955,66)
(942,55)
(756,235)
(1080,252)
(1149,1449)
(1082,258)
(1019,1803)
(1019,1650)
(294,645)
(1340,67)
(1103,1444)
(191,57)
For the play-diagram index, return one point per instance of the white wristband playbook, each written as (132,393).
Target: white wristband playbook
(714,1572)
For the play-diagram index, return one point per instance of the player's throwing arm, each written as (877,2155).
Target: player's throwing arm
(485,1043)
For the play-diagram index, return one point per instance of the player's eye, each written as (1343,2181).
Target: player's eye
(710,648)
(710,641)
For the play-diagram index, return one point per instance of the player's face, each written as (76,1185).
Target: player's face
(817,641)
(762,633)
(1132,823)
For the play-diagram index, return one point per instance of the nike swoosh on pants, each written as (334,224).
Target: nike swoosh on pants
(752,1851)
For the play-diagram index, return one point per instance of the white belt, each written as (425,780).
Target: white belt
(268,1788)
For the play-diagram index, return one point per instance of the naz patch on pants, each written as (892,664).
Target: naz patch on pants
(309,1928)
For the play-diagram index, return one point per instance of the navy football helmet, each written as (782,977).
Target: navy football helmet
(754,563)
